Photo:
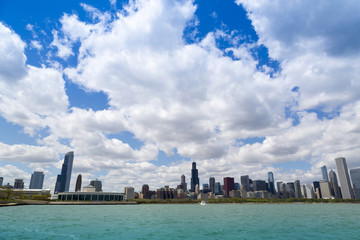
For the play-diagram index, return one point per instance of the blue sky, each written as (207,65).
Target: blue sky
(140,89)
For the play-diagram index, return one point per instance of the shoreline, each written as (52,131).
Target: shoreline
(139,202)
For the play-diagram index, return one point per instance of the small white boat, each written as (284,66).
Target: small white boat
(204,203)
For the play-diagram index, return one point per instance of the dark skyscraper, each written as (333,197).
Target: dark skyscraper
(63,180)
(259,185)
(229,185)
(1,181)
(37,180)
(317,188)
(271,182)
(194,177)
(212,184)
(19,184)
(335,190)
(183,183)
(78,183)
(245,181)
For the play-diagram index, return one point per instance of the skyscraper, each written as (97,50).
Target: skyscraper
(355,178)
(183,183)
(228,185)
(335,190)
(325,189)
(129,193)
(245,181)
(259,185)
(212,184)
(37,180)
(78,183)
(19,184)
(297,189)
(344,178)
(309,191)
(317,189)
(1,181)
(194,177)
(63,180)
(217,188)
(324,173)
(271,182)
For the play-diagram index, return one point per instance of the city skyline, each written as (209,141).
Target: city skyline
(140,89)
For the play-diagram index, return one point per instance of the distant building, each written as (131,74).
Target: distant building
(309,191)
(297,189)
(145,191)
(228,185)
(217,188)
(37,180)
(206,188)
(317,189)
(19,184)
(335,189)
(346,190)
(97,184)
(303,191)
(129,193)
(234,194)
(212,184)
(259,185)
(1,181)
(90,196)
(237,186)
(183,183)
(89,188)
(324,173)
(278,185)
(63,180)
(355,178)
(325,189)
(271,182)
(194,177)
(78,183)
(245,181)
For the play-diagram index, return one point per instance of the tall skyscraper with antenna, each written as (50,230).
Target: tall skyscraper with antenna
(194,177)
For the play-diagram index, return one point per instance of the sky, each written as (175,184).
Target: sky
(139,89)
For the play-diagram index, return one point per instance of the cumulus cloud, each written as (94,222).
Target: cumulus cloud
(193,98)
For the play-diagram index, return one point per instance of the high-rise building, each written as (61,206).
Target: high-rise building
(245,181)
(259,185)
(1,181)
(278,185)
(37,180)
(212,184)
(303,191)
(324,173)
(228,185)
(355,178)
(297,189)
(78,183)
(19,184)
(129,193)
(335,190)
(325,189)
(206,188)
(183,183)
(217,188)
(346,190)
(97,184)
(309,191)
(63,180)
(317,189)
(237,186)
(194,177)
(271,182)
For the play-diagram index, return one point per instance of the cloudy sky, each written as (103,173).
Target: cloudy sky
(139,89)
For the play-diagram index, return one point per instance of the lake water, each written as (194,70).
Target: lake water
(182,221)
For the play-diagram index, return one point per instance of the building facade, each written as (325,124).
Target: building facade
(229,185)
(346,189)
(212,184)
(245,181)
(37,180)
(63,180)
(129,193)
(19,184)
(335,190)
(1,181)
(355,178)
(271,182)
(324,173)
(97,184)
(78,183)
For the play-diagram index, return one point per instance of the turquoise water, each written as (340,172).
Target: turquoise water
(222,221)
